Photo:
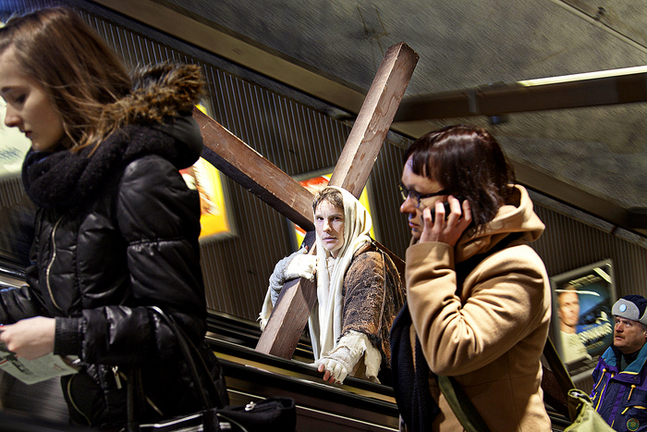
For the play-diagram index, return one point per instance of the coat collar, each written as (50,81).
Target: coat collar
(632,372)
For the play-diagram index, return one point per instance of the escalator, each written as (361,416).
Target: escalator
(358,405)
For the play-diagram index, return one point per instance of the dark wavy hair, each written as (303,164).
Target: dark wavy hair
(332,195)
(80,72)
(467,161)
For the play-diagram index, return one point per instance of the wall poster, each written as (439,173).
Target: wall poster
(214,211)
(582,324)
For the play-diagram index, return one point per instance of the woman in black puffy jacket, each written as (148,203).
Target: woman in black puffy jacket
(117,227)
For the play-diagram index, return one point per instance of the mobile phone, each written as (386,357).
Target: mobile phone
(447,209)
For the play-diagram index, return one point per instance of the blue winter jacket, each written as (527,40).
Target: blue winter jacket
(621,397)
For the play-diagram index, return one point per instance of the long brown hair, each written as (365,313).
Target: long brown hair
(468,162)
(79,71)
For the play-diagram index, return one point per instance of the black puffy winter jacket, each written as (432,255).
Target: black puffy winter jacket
(116,231)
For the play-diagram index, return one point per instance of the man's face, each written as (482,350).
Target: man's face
(329,223)
(569,308)
(628,336)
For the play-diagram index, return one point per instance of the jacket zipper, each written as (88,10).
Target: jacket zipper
(115,371)
(603,388)
(633,386)
(51,262)
(604,371)
(69,396)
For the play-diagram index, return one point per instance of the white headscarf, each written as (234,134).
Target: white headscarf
(326,319)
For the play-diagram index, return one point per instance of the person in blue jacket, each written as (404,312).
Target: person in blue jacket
(620,377)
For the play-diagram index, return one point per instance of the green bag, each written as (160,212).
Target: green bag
(586,417)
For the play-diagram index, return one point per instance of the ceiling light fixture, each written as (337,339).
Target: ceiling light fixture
(584,76)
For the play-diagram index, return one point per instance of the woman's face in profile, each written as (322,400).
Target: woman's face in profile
(329,223)
(412,206)
(28,105)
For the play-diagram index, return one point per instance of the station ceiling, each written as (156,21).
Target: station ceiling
(581,140)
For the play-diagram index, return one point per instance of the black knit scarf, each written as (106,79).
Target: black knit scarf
(64,180)
(411,385)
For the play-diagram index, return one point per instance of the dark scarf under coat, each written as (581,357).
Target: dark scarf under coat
(64,180)
(411,384)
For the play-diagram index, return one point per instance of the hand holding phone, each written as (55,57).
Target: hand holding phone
(447,209)
(449,230)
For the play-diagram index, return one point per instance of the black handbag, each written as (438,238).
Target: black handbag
(271,414)
(267,415)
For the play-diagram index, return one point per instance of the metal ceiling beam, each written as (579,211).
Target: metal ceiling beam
(488,100)
(601,88)
(205,34)
(619,87)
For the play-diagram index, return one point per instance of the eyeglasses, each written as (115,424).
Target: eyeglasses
(416,196)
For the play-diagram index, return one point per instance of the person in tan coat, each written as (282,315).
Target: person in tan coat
(478,297)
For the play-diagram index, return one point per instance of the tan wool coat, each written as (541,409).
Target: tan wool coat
(491,335)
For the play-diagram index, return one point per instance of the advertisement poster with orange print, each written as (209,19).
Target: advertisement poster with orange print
(204,177)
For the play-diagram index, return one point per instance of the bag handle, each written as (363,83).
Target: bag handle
(186,346)
(196,369)
(559,371)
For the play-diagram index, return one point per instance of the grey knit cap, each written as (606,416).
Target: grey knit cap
(632,307)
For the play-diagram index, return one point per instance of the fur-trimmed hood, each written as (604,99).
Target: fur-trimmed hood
(154,119)
(160,92)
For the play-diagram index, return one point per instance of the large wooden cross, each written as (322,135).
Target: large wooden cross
(240,162)
(258,175)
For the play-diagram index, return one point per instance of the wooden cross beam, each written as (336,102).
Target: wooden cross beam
(231,156)
(238,161)
(244,165)
(374,119)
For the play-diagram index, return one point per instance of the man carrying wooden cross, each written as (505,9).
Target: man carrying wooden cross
(359,290)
